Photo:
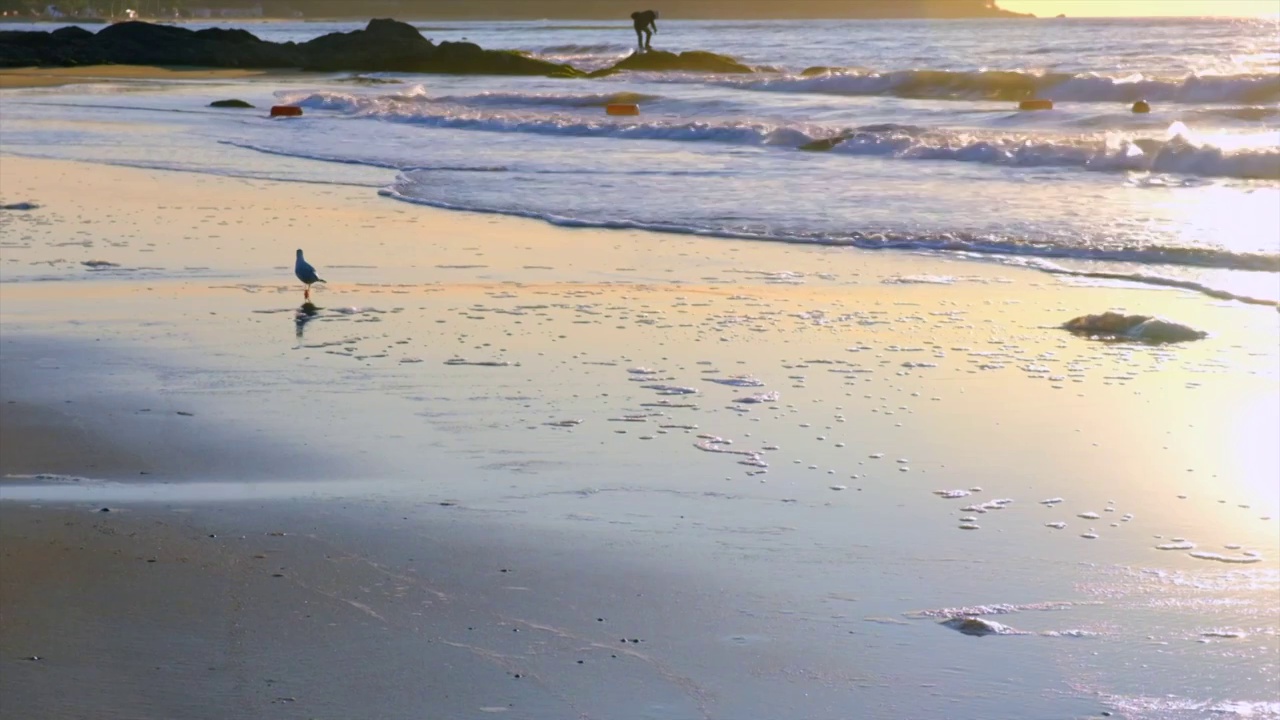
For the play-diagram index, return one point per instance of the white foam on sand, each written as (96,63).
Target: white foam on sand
(738,381)
(995,609)
(769,397)
(1247,558)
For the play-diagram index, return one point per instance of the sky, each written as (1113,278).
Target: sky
(1140,8)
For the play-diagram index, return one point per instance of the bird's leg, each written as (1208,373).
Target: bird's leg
(306,294)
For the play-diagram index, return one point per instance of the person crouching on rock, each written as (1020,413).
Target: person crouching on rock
(646,25)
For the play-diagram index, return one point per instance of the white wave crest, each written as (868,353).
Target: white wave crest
(1015,85)
(1175,154)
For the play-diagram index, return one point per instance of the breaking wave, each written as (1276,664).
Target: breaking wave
(1013,85)
(1174,154)
(407,189)
(508,99)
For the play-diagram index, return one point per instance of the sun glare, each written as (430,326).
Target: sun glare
(1145,8)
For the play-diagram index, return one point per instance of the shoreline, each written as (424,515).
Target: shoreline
(482,489)
(1034,264)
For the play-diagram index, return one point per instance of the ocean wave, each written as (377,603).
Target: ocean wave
(970,244)
(584,56)
(1175,154)
(403,101)
(1013,85)
(1248,114)
(411,167)
(1147,278)
(547,99)
(521,27)
(584,49)
(366,162)
(411,109)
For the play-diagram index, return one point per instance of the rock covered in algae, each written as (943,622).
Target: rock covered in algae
(1133,327)
(690,61)
(978,627)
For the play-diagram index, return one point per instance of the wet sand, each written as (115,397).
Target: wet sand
(593,412)
(274,610)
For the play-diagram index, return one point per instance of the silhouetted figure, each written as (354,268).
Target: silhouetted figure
(646,23)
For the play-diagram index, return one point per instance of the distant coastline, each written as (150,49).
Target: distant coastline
(563,10)
(669,9)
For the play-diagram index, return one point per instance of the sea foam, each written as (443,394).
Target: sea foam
(1018,85)
(1172,154)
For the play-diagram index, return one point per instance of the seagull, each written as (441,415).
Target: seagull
(305,273)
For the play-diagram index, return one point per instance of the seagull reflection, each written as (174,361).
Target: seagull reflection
(304,315)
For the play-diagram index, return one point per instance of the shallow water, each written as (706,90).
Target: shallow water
(855,464)
(937,156)
(883,484)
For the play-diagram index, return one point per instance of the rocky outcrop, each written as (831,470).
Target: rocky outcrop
(1144,328)
(391,46)
(230,104)
(662,61)
(978,627)
(382,46)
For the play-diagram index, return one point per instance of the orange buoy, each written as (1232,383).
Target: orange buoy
(286,111)
(622,109)
(1035,105)
(1141,107)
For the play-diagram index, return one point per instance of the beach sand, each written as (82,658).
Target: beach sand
(498,469)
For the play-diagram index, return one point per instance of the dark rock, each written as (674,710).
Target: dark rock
(24,49)
(391,46)
(824,144)
(1142,107)
(230,104)
(139,43)
(978,627)
(1114,326)
(1036,104)
(71,33)
(691,61)
(19,206)
(383,45)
